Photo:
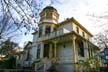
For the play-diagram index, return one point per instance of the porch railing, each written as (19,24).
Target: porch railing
(54,34)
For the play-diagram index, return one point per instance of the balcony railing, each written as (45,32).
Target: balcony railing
(54,34)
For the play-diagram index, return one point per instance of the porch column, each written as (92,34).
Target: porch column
(43,33)
(55,50)
(91,51)
(50,51)
(74,49)
(99,59)
(75,55)
(42,50)
(85,49)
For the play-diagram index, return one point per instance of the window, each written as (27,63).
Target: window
(38,50)
(89,50)
(48,29)
(40,31)
(83,34)
(64,46)
(28,55)
(80,49)
(46,50)
(48,14)
(77,29)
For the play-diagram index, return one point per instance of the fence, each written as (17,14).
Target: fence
(16,70)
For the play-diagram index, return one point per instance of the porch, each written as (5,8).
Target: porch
(66,50)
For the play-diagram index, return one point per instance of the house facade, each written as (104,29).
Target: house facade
(67,42)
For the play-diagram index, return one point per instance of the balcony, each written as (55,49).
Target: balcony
(54,34)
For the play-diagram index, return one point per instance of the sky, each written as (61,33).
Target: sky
(82,10)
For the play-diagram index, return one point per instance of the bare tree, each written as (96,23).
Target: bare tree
(18,14)
(101,39)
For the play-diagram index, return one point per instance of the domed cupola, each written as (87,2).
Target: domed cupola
(49,8)
(49,14)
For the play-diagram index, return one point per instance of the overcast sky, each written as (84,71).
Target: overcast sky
(81,11)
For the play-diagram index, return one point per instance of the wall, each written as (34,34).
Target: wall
(67,26)
(87,36)
(33,54)
(65,68)
(65,52)
(49,20)
(35,37)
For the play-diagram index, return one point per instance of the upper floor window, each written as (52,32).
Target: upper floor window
(83,34)
(77,29)
(40,31)
(47,29)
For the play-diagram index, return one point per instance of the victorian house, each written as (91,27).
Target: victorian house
(67,42)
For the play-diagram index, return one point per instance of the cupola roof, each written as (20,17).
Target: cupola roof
(49,8)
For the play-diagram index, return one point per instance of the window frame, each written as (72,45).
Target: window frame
(77,29)
(38,51)
(83,34)
(40,31)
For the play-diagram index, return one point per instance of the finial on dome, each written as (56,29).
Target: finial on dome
(51,2)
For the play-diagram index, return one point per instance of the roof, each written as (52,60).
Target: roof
(49,8)
(77,23)
(35,32)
